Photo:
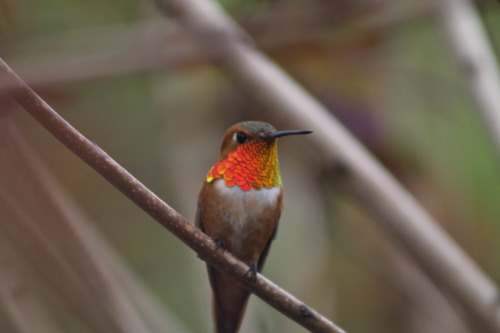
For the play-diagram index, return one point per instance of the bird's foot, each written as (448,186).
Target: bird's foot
(252,273)
(305,312)
(219,244)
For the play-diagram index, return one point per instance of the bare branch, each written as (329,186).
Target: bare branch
(160,211)
(473,52)
(371,185)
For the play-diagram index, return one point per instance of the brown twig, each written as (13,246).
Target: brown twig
(373,187)
(159,210)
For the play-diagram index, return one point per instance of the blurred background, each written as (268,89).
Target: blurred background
(77,256)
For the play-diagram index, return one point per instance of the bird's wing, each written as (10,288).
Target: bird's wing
(263,256)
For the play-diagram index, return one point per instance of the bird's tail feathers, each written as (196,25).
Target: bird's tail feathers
(229,303)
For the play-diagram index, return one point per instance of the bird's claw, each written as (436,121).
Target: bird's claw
(219,244)
(305,312)
(252,273)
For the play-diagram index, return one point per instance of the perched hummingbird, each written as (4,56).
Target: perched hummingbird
(239,207)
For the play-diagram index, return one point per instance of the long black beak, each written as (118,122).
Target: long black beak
(274,135)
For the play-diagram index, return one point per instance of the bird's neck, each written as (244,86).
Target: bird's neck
(253,165)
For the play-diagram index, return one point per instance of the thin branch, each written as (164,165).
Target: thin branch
(370,184)
(479,66)
(160,211)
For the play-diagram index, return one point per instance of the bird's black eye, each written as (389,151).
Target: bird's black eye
(240,137)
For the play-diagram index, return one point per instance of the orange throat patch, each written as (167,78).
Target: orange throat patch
(253,165)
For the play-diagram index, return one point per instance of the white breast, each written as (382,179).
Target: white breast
(251,202)
(264,197)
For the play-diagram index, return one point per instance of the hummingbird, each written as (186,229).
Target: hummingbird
(239,207)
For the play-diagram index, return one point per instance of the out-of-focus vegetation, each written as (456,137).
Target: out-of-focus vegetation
(382,67)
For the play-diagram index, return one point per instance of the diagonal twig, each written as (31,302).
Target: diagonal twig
(159,210)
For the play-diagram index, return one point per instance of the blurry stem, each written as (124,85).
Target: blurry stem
(27,311)
(126,301)
(371,185)
(159,210)
(125,49)
(473,52)
(57,244)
